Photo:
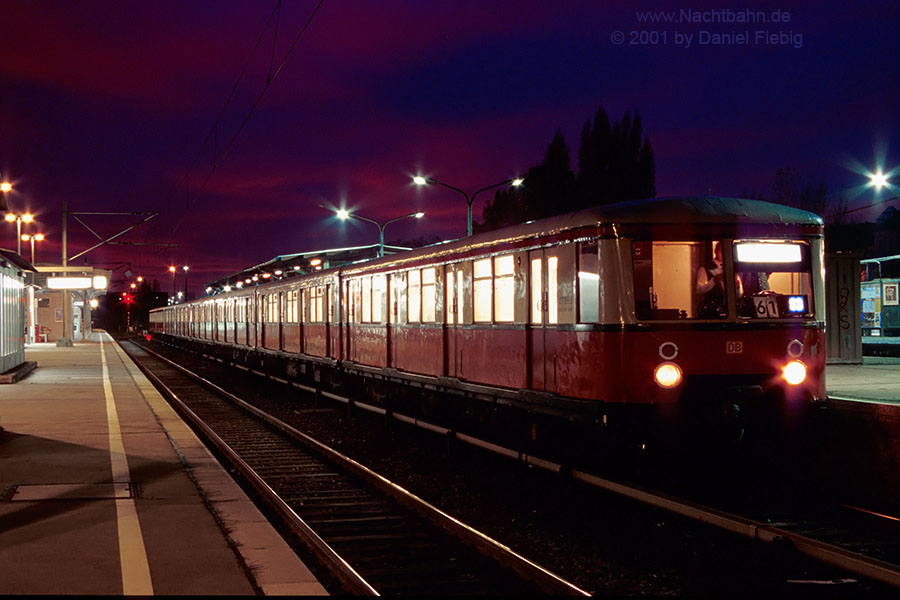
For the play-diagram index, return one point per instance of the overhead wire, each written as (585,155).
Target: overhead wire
(269,79)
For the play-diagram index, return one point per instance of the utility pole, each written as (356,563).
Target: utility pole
(65,339)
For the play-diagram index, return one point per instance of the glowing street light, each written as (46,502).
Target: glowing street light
(38,237)
(878,180)
(344,215)
(18,220)
(172,271)
(6,188)
(514,182)
(185,267)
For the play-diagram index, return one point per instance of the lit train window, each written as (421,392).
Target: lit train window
(588,283)
(316,304)
(773,279)
(378,286)
(450,301)
(459,297)
(504,289)
(482,288)
(366,299)
(428,299)
(413,296)
(552,290)
(291,316)
(537,314)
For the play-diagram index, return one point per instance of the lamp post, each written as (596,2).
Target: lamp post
(344,215)
(172,271)
(514,182)
(38,237)
(19,219)
(185,267)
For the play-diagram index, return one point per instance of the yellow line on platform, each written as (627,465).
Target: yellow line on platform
(132,554)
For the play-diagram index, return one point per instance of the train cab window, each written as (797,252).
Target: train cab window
(588,283)
(679,280)
(773,279)
(504,289)
(482,290)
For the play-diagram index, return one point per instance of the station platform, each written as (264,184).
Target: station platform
(876,380)
(105,490)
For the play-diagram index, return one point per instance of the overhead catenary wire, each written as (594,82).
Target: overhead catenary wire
(269,80)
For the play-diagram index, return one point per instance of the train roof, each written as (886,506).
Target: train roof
(681,210)
(696,210)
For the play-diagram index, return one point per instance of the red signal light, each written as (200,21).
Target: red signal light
(149,337)
(127,298)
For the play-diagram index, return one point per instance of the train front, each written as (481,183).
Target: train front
(729,325)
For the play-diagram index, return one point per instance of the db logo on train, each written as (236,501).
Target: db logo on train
(732,347)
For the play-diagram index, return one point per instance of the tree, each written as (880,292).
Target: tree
(792,189)
(615,163)
(550,186)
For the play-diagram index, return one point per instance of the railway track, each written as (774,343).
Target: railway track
(369,534)
(855,543)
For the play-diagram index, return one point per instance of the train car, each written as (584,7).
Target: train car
(619,313)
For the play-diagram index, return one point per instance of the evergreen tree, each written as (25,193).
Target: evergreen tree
(615,163)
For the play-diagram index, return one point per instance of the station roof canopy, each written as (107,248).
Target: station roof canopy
(15,261)
(300,263)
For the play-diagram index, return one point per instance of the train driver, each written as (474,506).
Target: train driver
(711,286)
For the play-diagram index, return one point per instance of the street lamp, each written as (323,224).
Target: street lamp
(38,237)
(878,180)
(185,267)
(6,188)
(344,215)
(19,219)
(515,182)
(172,271)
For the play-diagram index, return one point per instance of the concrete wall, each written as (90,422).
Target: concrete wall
(843,317)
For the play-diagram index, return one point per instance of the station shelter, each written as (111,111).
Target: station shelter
(14,271)
(62,302)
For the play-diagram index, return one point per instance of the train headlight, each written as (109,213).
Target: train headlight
(794,372)
(667,375)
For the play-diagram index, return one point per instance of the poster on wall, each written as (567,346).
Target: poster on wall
(58,315)
(889,294)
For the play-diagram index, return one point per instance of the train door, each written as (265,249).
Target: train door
(543,317)
(454,279)
(329,316)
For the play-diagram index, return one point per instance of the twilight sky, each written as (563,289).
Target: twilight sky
(112,106)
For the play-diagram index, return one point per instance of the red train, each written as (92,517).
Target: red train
(597,315)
